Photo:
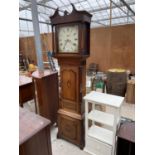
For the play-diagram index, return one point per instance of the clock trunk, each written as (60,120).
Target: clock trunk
(71,108)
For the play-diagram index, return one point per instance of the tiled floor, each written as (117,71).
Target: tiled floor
(62,147)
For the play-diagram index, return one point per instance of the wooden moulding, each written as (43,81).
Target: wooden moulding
(70,114)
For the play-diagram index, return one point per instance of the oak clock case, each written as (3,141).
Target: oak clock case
(71,46)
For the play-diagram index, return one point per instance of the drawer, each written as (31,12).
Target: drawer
(96,147)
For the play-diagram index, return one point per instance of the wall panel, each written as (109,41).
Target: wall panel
(113,47)
(109,47)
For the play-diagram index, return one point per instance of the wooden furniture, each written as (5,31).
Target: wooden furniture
(71,47)
(126,139)
(34,134)
(101,139)
(26,89)
(46,86)
(130,93)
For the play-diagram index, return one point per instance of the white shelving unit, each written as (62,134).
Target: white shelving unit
(101,140)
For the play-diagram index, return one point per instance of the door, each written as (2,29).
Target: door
(69,87)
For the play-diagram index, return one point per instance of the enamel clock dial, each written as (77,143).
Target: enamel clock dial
(68,38)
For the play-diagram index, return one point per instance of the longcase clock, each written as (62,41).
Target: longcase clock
(71,46)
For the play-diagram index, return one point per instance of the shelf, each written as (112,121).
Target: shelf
(104,99)
(101,134)
(101,117)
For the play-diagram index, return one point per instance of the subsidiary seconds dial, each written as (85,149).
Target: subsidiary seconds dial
(68,39)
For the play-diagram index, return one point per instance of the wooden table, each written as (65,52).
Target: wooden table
(26,89)
(126,139)
(34,134)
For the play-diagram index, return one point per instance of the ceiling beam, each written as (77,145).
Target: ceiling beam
(121,9)
(30,20)
(127,6)
(118,4)
(48,23)
(121,23)
(98,22)
(94,21)
(29,9)
(41,3)
(117,17)
(40,13)
(29,5)
(90,11)
(71,2)
(49,7)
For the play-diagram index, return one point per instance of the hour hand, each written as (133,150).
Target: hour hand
(65,44)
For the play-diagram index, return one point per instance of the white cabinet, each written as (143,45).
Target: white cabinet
(101,139)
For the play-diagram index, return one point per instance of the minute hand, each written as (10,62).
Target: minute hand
(65,44)
(67,40)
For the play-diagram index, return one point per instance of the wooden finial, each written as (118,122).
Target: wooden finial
(74,9)
(65,13)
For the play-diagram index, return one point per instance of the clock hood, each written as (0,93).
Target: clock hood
(74,16)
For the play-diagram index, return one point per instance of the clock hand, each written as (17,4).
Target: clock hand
(69,34)
(66,41)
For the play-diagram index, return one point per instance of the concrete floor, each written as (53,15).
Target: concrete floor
(62,147)
(128,111)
